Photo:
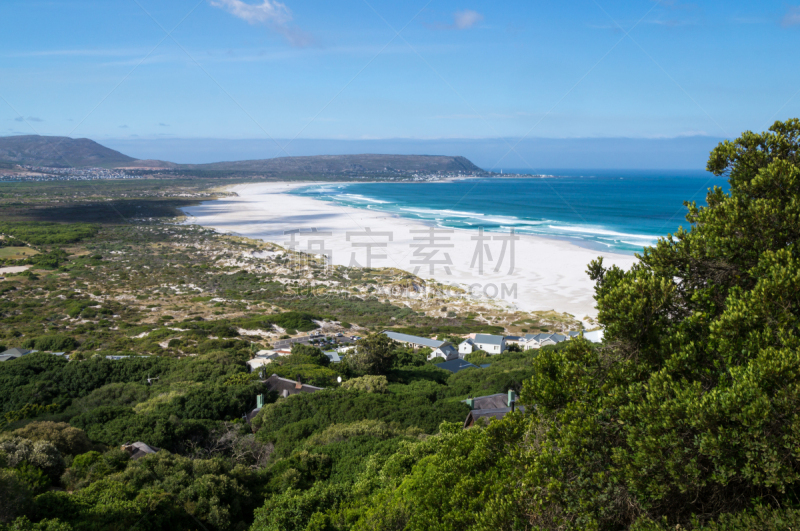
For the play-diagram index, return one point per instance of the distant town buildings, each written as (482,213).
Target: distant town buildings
(41,173)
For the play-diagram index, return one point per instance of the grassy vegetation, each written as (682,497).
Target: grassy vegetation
(16,253)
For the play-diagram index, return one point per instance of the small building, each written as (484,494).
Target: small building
(490,407)
(256,363)
(542,340)
(139,449)
(333,356)
(456,365)
(285,387)
(466,347)
(447,352)
(514,340)
(489,343)
(415,341)
(14,353)
(595,336)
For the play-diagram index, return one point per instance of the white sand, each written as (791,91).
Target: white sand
(13,269)
(549,274)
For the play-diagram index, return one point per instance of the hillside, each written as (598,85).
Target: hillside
(59,152)
(64,152)
(345,164)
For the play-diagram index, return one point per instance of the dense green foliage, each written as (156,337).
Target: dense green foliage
(45,233)
(373,355)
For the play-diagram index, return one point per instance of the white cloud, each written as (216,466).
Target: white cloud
(266,13)
(792,17)
(269,13)
(466,19)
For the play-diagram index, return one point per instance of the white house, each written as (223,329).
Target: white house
(447,352)
(595,336)
(542,340)
(514,340)
(256,363)
(415,341)
(465,347)
(489,343)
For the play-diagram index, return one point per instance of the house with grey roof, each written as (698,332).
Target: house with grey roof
(285,387)
(259,361)
(489,343)
(514,340)
(139,449)
(456,365)
(333,356)
(466,347)
(542,340)
(14,353)
(447,352)
(415,341)
(490,407)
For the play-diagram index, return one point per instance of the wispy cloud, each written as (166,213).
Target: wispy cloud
(29,119)
(466,19)
(161,124)
(792,17)
(266,13)
(462,20)
(272,14)
(692,133)
(123,127)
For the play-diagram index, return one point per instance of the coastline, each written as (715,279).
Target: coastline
(548,274)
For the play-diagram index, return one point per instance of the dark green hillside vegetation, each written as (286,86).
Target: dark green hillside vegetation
(44,233)
(59,152)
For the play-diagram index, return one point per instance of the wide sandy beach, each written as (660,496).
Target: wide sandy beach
(548,274)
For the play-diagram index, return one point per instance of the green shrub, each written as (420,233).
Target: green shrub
(52,343)
(367,384)
(68,440)
(47,233)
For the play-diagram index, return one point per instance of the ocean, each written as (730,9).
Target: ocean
(615,211)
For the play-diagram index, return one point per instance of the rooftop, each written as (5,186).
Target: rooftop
(406,338)
(488,339)
(456,365)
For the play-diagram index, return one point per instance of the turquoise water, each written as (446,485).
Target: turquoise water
(619,211)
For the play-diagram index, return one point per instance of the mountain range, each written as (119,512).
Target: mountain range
(65,152)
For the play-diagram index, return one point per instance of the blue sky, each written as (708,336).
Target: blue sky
(259,69)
